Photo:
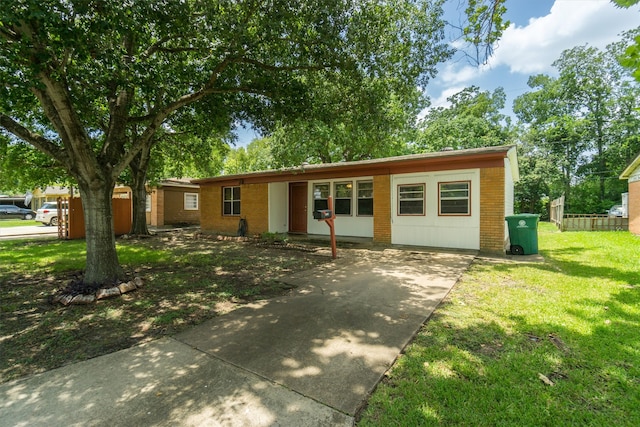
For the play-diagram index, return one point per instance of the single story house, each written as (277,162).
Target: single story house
(449,199)
(632,174)
(173,201)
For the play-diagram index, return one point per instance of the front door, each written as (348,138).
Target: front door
(298,207)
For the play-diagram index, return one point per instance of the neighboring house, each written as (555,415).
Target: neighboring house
(173,201)
(53,192)
(450,199)
(48,194)
(632,174)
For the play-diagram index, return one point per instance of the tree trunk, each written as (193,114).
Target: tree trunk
(139,194)
(102,259)
(138,167)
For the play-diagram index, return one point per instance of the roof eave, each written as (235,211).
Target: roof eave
(635,164)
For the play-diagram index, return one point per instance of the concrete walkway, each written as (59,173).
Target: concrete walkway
(308,359)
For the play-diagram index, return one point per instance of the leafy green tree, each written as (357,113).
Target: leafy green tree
(348,121)
(586,120)
(630,58)
(90,84)
(23,168)
(256,157)
(473,120)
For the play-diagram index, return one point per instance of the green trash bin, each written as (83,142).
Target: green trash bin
(523,233)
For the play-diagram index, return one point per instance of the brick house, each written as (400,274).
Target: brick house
(632,174)
(449,199)
(172,202)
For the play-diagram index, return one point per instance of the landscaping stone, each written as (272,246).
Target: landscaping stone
(107,293)
(65,299)
(127,287)
(83,299)
(138,281)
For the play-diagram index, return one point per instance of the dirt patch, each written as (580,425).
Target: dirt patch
(196,280)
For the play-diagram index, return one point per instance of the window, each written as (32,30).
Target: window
(454,198)
(320,196)
(147,203)
(411,199)
(343,195)
(231,200)
(365,198)
(190,201)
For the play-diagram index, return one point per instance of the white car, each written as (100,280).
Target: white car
(48,213)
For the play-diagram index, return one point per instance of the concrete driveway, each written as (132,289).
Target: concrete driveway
(308,359)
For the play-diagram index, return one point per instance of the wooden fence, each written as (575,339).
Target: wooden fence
(584,222)
(71,226)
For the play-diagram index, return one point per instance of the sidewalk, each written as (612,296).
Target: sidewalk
(309,359)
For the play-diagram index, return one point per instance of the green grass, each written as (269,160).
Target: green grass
(6,223)
(186,283)
(574,319)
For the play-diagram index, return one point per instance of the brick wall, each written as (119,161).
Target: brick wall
(211,218)
(382,209)
(492,214)
(157,207)
(254,206)
(634,207)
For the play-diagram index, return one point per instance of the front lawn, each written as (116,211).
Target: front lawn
(186,282)
(554,343)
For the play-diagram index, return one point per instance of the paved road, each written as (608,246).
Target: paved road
(27,232)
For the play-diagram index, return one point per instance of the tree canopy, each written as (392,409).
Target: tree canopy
(90,84)
(473,119)
(581,128)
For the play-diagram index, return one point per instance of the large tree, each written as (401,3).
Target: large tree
(91,83)
(585,121)
(473,119)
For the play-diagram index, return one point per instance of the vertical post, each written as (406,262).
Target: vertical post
(332,230)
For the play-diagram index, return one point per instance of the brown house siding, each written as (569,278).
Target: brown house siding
(382,209)
(634,207)
(492,188)
(174,211)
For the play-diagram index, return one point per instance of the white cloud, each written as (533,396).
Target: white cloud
(451,74)
(532,48)
(441,100)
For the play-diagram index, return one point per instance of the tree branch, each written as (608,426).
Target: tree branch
(40,142)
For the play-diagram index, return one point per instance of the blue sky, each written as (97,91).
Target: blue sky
(540,30)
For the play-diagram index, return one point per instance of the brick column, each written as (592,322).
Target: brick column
(492,228)
(382,209)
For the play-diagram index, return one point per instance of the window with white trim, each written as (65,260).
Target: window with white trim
(411,199)
(231,201)
(365,198)
(343,195)
(321,196)
(455,198)
(190,201)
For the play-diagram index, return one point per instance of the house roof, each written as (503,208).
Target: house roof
(633,166)
(436,161)
(176,182)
